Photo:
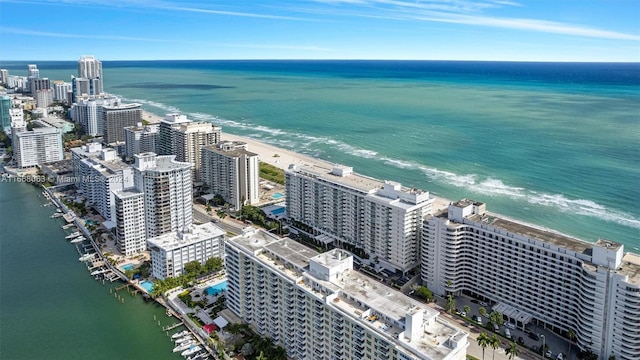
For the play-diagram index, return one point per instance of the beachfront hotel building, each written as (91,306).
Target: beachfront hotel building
(340,207)
(91,68)
(98,174)
(184,138)
(36,147)
(229,170)
(168,194)
(536,275)
(171,251)
(117,117)
(129,221)
(140,139)
(316,306)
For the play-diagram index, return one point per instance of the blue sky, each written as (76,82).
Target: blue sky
(519,30)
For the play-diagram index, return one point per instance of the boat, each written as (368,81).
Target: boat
(79,239)
(55,215)
(184,339)
(190,351)
(98,272)
(197,356)
(86,257)
(183,346)
(180,334)
(68,226)
(73,234)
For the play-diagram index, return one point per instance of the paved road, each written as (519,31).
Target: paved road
(227,224)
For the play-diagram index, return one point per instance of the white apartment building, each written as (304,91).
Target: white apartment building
(40,146)
(98,175)
(44,98)
(91,68)
(171,251)
(88,113)
(536,275)
(185,138)
(381,218)
(62,91)
(316,306)
(129,221)
(231,171)
(140,139)
(168,194)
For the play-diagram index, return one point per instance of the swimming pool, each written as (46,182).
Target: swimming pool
(147,285)
(278,211)
(218,288)
(277,195)
(126,267)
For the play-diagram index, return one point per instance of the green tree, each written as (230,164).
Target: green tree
(424,293)
(512,351)
(451,303)
(221,214)
(208,208)
(193,268)
(482,311)
(571,335)
(467,309)
(261,356)
(494,342)
(483,342)
(213,264)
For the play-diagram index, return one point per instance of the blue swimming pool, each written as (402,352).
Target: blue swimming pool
(218,288)
(278,211)
(277,195)
(147,285)
(126,267)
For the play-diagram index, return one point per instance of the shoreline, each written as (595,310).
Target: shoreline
(282,158)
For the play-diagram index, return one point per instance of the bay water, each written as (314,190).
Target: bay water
(50,307)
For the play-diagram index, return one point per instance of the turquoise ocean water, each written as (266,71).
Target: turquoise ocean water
(553,144)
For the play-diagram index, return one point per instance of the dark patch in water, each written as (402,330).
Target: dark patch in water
(173,86)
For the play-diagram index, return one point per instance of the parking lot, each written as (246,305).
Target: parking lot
(533,336)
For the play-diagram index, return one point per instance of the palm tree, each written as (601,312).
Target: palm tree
(467,310)
(512,351)
(483,342)
(571,335)
(261,356)
(494,342)
(451,303)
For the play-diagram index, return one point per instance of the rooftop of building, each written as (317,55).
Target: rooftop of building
(354,181)
(191,235)
(126,193)
(630,267)
(235,152)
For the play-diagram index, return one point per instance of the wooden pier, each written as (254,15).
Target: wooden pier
(171,327)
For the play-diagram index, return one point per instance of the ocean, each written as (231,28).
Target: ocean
(552,144)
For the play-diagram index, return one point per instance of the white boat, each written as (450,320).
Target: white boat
(86,257)
(184,346)
(180,334)
(98,272)
(184,339)
(73,234)
(79,239)
(190,351)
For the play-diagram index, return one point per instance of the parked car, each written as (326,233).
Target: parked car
(474,301)
(520,340)
(548,354)
(496,327)
(507,333)
(534,336)
(478,319)
(510,325)
(482,303)
(559,357)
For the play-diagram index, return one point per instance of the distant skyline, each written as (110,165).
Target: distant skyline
(518,30)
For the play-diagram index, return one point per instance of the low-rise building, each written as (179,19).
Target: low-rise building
(170,252)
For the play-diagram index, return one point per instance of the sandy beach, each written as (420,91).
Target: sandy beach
(282,158)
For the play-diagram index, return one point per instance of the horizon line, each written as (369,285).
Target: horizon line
(304,59)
